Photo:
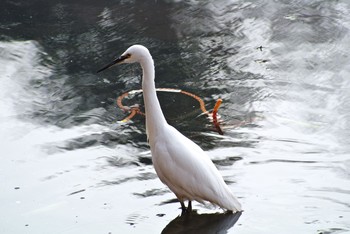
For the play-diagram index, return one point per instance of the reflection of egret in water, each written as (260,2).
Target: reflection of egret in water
(202,223)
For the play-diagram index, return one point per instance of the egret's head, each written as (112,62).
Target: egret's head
(134,54)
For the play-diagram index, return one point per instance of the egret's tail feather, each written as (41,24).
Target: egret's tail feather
(231,203)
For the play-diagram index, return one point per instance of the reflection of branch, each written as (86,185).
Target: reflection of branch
(202,223)
(133,110)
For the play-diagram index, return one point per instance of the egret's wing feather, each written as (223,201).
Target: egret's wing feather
(188,171)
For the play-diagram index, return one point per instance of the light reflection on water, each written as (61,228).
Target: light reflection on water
(68,166)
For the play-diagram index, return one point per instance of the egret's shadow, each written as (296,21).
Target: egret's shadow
(193,222)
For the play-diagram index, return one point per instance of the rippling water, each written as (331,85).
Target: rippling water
(281,68)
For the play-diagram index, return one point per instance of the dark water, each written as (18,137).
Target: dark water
(281,68)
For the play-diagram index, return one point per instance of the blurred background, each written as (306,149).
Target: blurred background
(281,67)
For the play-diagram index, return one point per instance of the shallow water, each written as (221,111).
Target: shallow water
(281,68)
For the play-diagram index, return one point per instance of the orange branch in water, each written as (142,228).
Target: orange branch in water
(214,114)
(136,110)
(200,100)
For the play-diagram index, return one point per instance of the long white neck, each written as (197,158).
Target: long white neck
(155,120)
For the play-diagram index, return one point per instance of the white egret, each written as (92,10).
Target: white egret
(179,162)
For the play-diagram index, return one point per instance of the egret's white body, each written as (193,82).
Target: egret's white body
(180,163)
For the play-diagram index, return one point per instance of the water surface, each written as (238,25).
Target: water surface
(281,68)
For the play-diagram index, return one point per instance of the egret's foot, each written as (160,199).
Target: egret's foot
(184,209)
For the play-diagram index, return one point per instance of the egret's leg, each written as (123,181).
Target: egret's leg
(183,207)
(189,207)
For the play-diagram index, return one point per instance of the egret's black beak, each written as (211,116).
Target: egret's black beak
(116,61)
